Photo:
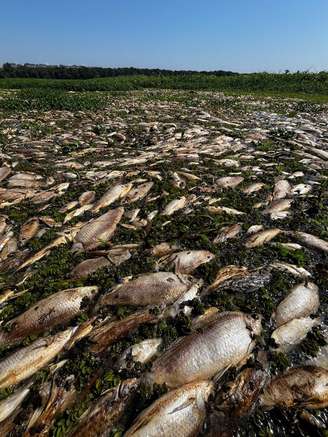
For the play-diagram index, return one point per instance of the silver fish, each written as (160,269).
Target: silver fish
(224,342)
(56,309)
(180,412)
(149,289)
(28,360)
(302,301)
(117,192)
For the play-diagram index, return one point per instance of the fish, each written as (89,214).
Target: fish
(310,240)
(301,301)
(77,212)
(281,190)
(138,192)
(226,273)
(159,288)
(12,402)
(293,332)
(4,173)
(236,400)
(141,352)
(98,231)
(59,308)
(291,268)
(187,261)
(180,412)
(278,208)
(253,188)
(301,189)
(262,237)
(23,363)
(229,181)
(110,332)
(163,249)
(174,206)
(115,193)
(87,198)
(89,266)
(224,209)
(56,397)
(102,415)
(224,342)
(304,386)
(227,233)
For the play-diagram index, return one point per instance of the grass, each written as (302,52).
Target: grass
(304,85)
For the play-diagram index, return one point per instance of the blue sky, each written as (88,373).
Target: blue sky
(239,35)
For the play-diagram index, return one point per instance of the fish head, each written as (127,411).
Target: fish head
(254,323)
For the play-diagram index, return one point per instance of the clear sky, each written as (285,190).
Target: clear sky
(239,35)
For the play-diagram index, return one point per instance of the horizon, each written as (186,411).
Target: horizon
(229,36)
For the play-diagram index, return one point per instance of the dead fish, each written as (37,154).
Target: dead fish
(102,416)
(186,261)
(301,189)
(24,180)
(98,231)
(278,208)
(56,396)
(139,192)
(204,319)
(253,188)
(281,189)
(118,255)
(227,233)
(229,181)
(302,301)
(238,399)
(223,343)
(228,162)
(110,332)
(63,239)
(87,198)
(29,229)
(163,249)
(178,182)
(310,240)
(56,309)
(141,352)
(12,402)
(189,176)
(28,360)
(223,209)
(255,228)
(261,237)
(77,212)
(305,386)
(293,332)
(149,289)
(4,173)
(180,412)
(251,281)
(174,206)
(226,273)
(115,193)
(291,268)
(69,206)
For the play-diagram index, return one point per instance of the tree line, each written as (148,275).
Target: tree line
(80,72)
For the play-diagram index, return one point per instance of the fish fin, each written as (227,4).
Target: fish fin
(219,374)
(184,405)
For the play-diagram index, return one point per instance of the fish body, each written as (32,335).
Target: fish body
(293,332)
(223,343)
(56,309)
(302,301)
(229,181)
(262,237)
(28,360)
(12,402)
(180,412)
(188,260)
(89,266)
(149,289)
(305,386)
(98,231)
(139,192)
(104,414)
(174,206)
(117,192)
